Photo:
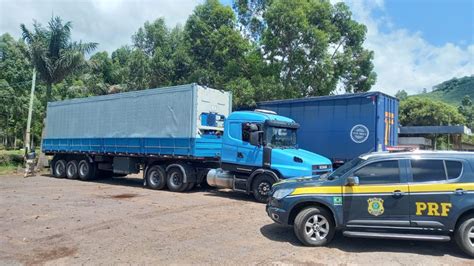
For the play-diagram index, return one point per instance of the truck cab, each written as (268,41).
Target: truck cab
(260,148)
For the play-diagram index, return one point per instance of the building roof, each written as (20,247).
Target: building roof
(419,130)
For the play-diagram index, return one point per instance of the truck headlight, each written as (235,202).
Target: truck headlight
(281,193)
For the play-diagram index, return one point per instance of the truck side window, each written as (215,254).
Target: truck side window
(246,129)
(454,169)
(428,170)
(384,172)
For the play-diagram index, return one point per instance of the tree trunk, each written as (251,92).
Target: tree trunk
(42,159)
(49,87)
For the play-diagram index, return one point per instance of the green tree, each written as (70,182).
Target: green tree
(138,70)
(52,52)
(314,44)
(467,110)
(401,95)
(416,111)
(217,49)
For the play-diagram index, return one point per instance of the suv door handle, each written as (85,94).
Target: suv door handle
(398,194)
(460,191)
(240,155)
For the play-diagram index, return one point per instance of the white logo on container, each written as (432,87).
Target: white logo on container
(359,133)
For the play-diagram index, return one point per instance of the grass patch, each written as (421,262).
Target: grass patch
(7,169)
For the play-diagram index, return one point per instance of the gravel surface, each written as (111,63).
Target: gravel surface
(44,220)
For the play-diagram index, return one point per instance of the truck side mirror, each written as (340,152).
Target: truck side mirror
(255,138)
(352,181)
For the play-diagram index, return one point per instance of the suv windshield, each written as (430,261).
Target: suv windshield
(280,137)
(344,168)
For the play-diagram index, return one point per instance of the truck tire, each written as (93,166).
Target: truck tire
(72,169)
(86,170)
(261,187)
(175,180)
(156,177)
(464,235)
(60,168)
(314,227)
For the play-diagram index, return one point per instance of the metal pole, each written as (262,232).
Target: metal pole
(30,114)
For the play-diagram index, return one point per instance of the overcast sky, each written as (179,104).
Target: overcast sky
(417,43)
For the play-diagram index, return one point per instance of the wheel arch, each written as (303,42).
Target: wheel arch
(463,215)
(308,203)
(272,173)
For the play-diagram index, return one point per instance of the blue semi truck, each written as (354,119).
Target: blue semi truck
(178,136)
(342,127)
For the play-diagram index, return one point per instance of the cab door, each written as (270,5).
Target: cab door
(380,199)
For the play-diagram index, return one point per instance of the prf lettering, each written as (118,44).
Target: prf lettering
(433,208)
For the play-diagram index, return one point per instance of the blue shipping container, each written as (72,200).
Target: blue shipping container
(342,127)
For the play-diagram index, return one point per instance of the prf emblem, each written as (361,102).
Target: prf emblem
(375,206)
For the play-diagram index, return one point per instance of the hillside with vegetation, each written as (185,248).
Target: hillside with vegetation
(452,91)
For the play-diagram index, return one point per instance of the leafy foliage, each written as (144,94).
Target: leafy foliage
(416,111)
(452,91)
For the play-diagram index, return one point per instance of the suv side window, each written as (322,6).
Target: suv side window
(435,170)
(383,172)
(454,169)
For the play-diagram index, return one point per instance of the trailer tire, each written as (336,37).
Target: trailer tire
(86,170)
(261,187)
(60,168)
(156,177)
(175,180)
(72,169)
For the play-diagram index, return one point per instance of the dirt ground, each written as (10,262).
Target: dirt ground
(44,220)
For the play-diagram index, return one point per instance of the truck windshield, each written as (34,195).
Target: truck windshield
(280,137)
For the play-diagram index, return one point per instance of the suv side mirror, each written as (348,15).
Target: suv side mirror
(352,181)
(255,138)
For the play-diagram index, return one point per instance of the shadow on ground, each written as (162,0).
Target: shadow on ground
(281,233)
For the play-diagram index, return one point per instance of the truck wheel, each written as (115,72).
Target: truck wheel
(175,180)
(464,235)
(86,170)
(261,188)
(156,177)
(72,169)
(60,169)
(314,227)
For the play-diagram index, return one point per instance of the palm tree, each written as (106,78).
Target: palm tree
(52,53)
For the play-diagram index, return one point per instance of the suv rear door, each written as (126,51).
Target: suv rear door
(381,198)
(436,191)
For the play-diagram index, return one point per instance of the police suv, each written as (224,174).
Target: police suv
(411,195)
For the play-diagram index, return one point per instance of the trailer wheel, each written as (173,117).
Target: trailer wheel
(175,180)
(60,168)
(156,177)
(261,187)
(86,170)
(72,169)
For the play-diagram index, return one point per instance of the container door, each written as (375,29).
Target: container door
(387,122)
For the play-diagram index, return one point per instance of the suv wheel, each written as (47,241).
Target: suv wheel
(314,226)
(464,235)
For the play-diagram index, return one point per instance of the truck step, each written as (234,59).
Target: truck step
(396,236)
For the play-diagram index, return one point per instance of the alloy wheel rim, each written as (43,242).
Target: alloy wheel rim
(154,180)
(317,227)
(83,169)
(264,188)
(175,179)
(71,171)
(470,236)
(59,168)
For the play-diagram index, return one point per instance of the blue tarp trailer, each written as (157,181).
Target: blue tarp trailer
(342,127)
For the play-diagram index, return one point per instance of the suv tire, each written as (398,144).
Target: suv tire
(314,226)
(464,235)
